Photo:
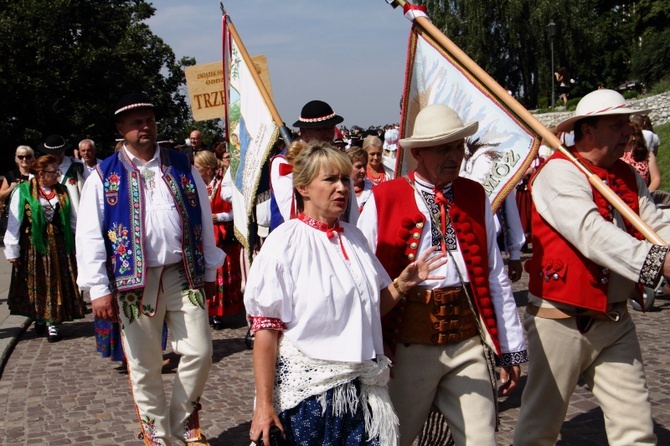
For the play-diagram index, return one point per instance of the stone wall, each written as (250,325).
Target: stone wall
(659,105)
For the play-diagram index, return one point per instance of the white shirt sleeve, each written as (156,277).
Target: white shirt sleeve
(11,240)
(515,235)
(510,331)
(367,223)
(91,253)
(282,187)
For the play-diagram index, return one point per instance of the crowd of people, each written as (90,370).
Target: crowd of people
(360,271)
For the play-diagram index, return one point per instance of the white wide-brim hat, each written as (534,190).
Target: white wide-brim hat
(438,124)
(599,103)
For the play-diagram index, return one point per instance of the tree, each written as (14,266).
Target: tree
(594,40)
(651,55)
(65,63)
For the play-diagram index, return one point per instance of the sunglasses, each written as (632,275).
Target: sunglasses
(24,157)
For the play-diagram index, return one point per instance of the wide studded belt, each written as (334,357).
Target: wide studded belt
(436,317)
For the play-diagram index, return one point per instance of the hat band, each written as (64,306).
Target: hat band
(54,147)
(606,109)
(128,107)
(320,119)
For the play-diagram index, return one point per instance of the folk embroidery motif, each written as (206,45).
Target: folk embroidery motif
(112,189)
(189,188)
(148,433)
(192,241)
(118,237)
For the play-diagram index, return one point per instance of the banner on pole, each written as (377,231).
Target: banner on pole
(252,133)
(499,153)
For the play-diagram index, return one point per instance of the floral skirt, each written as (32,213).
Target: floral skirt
(308,424)
(228,299)
(44,286)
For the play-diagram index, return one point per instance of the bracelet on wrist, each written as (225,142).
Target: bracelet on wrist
(396,285)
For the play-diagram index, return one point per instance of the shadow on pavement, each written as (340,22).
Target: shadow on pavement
(238,435)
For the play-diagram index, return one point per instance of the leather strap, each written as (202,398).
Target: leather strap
(437,317)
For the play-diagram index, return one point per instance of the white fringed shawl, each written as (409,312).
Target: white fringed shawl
(299,377)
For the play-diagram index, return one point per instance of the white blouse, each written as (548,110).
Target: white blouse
(328,299)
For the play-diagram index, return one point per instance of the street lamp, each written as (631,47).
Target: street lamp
(552,34)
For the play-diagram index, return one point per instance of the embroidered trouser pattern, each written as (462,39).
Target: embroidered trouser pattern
(184,312)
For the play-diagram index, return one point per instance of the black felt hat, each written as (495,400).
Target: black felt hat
(317,114)
(54,144)
(132,101)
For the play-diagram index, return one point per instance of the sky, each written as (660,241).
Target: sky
(349,53)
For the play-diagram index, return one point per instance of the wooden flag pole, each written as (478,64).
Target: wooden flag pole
(536,125)
(257,78)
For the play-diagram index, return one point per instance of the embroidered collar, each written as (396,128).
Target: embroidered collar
(321,226)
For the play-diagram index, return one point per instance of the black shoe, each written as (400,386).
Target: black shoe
(217,323)
(40,328)
(53,335)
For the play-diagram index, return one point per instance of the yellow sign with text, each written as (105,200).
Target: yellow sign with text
(205,87)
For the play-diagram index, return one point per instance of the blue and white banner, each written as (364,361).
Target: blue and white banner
(251,133)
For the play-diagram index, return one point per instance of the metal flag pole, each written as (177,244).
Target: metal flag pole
(532,122)
(257,78)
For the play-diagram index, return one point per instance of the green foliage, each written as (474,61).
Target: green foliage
(661,86)
(630,94)
(663,158)
(65,63)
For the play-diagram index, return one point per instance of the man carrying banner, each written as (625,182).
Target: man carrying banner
(444,335)
(149,228)
(587,262)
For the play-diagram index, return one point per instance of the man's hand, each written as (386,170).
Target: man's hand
(666,267)
(106,308)
(514,270)
(509,378)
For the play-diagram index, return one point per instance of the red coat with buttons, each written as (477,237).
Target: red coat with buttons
(400,227)
(558,271)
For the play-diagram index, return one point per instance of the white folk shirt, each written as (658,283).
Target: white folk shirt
(88,170)
(330,305)
(162,227)
(510,333)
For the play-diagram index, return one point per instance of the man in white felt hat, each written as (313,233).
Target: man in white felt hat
(587,262)
(444,334)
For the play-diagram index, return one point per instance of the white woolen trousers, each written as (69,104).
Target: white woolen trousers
(185,314)
(456,378)
(609,359)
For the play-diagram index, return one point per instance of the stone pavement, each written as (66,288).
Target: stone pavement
(66,394)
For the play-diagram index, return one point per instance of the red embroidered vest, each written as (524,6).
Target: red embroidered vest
(586,284)
(400,225)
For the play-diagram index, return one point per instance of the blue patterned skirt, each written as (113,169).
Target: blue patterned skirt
(308,424)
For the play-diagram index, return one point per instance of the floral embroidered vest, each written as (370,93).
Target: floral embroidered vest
(123,217)
(558,271)
(400,226)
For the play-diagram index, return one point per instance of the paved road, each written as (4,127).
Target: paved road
(65,393)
